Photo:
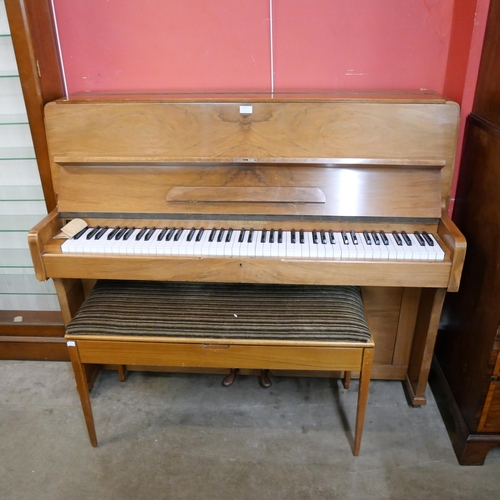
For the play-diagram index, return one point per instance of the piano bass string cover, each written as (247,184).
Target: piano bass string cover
(293,189)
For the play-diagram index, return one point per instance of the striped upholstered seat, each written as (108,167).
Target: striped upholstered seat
(223,311)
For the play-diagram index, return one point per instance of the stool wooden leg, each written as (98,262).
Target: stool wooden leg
(83,391)
(122,373)
(346,381)
(364,385)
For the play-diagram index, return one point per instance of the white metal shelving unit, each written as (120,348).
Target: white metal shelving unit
(21,197)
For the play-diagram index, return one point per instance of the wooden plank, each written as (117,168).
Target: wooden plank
(195,355)
(247,270)
(36,350)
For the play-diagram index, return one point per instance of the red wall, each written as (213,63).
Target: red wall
(209,45)
(225,45)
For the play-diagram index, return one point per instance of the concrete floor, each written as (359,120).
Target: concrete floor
(171,436)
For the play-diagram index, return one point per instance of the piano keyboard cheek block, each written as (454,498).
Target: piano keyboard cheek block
(333,173)
(222,325)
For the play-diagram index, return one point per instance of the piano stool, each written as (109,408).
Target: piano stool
(221,325)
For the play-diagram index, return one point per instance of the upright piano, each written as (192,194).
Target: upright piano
(250,188)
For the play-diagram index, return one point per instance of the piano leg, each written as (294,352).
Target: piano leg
(424,338)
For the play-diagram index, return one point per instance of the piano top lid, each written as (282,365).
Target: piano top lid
(398,145)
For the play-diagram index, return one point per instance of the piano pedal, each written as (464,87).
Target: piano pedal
(229,379)
(264,380)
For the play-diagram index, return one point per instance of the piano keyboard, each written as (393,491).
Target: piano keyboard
(271,243)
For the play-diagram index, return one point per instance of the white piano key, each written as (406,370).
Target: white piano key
(99,246)
(281,247)
(228,245)
(304,247)
(259,246)
(322,246)
(179,246)
(313,247)
(418,252)
(440,254)
(131,242)
(358,246)
(292,249)
(369,248)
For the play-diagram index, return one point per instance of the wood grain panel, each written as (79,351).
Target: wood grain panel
(348,191)
(382,306)
(156,131)
(490,421)
(195,355)
(232,270)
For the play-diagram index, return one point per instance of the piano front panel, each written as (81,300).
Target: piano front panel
(374,191)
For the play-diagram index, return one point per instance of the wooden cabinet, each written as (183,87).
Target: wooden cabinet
(469,341)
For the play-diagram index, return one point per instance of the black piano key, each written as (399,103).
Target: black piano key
(354,237)
(271,236)
(375,237)
(100,234)
(229,235)
(162,234)
(191,234)
(280,235)
(332,236)
(263,237)
(301,237)
(170,234)
(178,234)
(141,233)
(81,233)
(398,240)
(367,237)
(315,237)
(241,238)
(150,233)
(120,233)
(221,235)
(128,234)
(323,236)
(199,236)
(93,232)
(250,235)
(406,238)
(345,239)
(427,238)
(113,233)
(211,238)
(385,240)
(292,236)
(419,238)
